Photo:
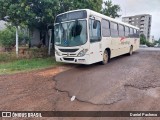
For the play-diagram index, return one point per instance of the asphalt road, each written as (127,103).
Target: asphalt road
(150,49)
(108,84)
(127,83)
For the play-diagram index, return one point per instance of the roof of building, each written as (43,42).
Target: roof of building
(137,15)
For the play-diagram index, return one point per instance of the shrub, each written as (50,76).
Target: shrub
(7,57)
(37,52)
(149,44)
(7,37)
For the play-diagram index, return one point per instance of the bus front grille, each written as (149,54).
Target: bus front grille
(68,50)
(69,59)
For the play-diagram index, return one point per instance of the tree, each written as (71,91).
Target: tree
(159,41)
(142,39)
(8,36)
(95,5)
(110,9)
(41,14)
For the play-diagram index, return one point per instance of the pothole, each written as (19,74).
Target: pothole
(135,92)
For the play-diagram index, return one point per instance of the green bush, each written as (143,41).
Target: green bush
(143,39)
(7,37)
(149,44)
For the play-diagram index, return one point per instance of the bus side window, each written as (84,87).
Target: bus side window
(131,33)
(106,28)
(126,31)
(114,29)
(121,30)
(137,33)
(134,33)
(94,30)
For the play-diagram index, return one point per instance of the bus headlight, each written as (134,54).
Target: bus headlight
(82,53)
(57,53)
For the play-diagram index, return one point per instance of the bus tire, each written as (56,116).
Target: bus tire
(105,57)
(131,51)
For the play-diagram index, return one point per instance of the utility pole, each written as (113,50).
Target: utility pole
(50,38)
(17,41)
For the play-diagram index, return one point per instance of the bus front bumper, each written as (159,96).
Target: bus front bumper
(75,60)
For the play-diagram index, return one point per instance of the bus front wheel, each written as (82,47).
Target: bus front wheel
(105,57)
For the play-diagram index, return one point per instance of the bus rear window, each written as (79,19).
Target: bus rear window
(71,16)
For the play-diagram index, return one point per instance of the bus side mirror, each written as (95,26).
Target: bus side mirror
(94,24)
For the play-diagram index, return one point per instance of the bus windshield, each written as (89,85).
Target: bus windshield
(69,34)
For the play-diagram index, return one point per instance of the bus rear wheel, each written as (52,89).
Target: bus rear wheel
(105,57)
(131,50)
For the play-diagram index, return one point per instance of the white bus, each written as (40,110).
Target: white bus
(86,37)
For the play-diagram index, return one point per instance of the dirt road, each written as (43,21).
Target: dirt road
(127,83)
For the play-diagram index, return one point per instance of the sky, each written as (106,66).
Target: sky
(135,7)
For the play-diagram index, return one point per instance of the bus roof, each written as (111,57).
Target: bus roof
(101,16)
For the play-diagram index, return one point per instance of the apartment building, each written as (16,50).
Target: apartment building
(141,21)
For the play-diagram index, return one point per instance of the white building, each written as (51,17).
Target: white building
(2,25)
(152,40)
(142,21)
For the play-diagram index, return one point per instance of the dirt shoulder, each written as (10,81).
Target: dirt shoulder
(42,91)
(29,90)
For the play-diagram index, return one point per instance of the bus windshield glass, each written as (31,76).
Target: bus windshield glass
(69,34)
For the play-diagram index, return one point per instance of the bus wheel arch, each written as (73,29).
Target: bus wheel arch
(109,52)
(106,56)
(131,50)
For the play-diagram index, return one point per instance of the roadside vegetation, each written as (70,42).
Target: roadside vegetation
(8,37)
(40,14)
(28,59)
(23,16)
(22,65)
(144,41)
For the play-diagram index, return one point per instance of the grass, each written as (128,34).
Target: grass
(27,65)
(7,57)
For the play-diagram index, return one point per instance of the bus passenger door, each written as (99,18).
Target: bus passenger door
(95,40)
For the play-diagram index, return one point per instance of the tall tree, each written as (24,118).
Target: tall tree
(95,5)
(13,12)
(41,13)
(110,9)
(142,39)
(158,41)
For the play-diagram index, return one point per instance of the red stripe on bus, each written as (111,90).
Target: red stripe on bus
(122,38)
